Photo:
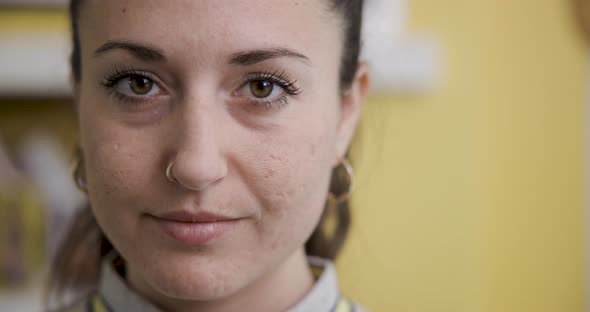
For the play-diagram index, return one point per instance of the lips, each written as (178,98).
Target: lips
(199,217)
(194,228)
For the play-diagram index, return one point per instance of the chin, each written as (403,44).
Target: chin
(194,278)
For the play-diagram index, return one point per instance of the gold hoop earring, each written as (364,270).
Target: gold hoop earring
(341,187)
(170,174)
(342,184)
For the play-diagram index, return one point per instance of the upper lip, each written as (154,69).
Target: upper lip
(195,217)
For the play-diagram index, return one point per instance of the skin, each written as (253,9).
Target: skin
(269,167)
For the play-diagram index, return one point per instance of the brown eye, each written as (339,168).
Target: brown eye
(140,85)
(261,88)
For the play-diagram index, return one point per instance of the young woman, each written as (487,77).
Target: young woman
(213,137)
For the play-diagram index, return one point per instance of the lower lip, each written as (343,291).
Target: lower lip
(195,233)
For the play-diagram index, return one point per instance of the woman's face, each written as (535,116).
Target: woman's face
(243,97)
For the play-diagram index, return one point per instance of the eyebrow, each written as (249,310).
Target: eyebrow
(239,58)
(256,56)
(140,51)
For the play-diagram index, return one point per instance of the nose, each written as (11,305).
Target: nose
(199,161)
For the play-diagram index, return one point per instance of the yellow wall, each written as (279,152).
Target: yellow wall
(33,20)
(470,198)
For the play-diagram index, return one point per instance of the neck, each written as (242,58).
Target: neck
(288,283)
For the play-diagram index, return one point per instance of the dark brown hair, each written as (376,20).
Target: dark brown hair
(77,263)
(581,11)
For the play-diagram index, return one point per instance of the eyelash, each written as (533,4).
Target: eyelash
(279,78)
(112,79)
(117,74)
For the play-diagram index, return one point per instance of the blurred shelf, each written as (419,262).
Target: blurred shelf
(34,64)
(36,3)
(24,300)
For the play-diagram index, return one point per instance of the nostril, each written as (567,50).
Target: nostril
(197,173)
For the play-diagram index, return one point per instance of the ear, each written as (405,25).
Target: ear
(75,85)
(351,104)
(76,91)
(76,101)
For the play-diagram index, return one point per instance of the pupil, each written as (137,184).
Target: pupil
(140,85)
(261,88)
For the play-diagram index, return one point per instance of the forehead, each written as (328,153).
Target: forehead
(212,27)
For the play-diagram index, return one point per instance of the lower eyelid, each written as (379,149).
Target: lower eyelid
(123,98)
(274,104)
(134,100)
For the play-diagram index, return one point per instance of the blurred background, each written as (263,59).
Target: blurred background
(470,159)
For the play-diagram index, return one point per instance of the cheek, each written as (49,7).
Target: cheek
(119,169)
(117,155)
(112,162)
(291,180)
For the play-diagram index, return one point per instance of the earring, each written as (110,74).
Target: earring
(342,183)
(341,186)
(170,174)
